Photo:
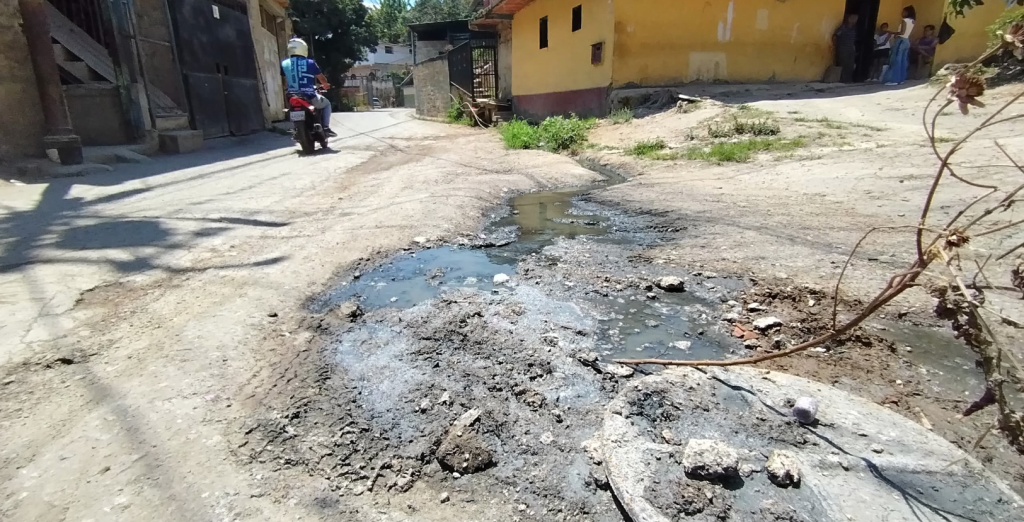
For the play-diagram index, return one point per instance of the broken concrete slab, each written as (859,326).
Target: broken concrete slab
(920,476)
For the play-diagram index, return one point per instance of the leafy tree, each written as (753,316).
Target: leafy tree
(439,10)
(389,21)
(959,7)
(337,31)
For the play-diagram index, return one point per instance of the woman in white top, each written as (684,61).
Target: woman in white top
(880,56)
(899,61)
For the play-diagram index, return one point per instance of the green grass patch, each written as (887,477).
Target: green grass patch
(721,131)
(749,111)
(652,150)
(741,151)
(756,127)
(620,116)
(519,134)
(945,139)
(554,134)
(457,115)
(829,123)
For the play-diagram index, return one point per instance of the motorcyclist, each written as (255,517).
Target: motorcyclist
(302,73)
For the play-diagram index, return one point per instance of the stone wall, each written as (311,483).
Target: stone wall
(433,87)
(429,49)
(21,119)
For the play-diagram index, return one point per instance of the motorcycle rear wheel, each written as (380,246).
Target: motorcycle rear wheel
(305,140)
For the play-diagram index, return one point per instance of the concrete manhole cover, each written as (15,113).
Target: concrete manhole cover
(722,445)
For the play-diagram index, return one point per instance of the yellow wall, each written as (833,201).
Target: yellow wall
(929,12)
(667,41)
(565,64)
(971,38)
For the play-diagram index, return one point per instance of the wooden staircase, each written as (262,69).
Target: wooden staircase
(84,60)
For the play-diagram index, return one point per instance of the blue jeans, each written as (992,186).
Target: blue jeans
(899,62)
(321,104)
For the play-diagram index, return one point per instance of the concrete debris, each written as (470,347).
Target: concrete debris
(501,279)
(419,240)
(782,469)
(755,307)
(670,284)
(731,317)
(752,344)
(767,323)
(445,497)
(463,449)
(710,459)
(805,410)
(877,448)
(446,398)
(682,345)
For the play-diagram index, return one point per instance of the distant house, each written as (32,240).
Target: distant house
(384,59)
(567,55)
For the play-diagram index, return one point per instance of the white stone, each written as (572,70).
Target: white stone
(501,279)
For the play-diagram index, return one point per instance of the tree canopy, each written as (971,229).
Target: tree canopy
(338,32)
(958,7)
(439,10)
(389,21)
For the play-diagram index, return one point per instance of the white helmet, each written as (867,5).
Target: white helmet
(297,47)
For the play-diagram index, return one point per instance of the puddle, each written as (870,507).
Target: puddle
(633,326)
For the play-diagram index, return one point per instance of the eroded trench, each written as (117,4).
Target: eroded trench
(444,384)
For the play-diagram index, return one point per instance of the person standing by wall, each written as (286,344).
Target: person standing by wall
(899,62)
(844,41)
(880,55)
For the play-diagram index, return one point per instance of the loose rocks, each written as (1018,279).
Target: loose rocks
(782,469)
(501,279)
(805,410)
(348,310)
(670,284)
(709,459)
(767,323)
(463,449)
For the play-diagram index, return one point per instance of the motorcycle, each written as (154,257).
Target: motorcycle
(308,128)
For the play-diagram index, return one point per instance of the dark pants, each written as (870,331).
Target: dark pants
(846,59)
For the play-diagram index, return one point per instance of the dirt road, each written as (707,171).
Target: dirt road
(142,307)
(246,334)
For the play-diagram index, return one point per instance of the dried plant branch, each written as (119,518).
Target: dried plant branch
(839,281)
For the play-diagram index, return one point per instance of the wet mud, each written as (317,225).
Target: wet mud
(432,375)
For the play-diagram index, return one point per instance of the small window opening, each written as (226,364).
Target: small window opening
(544,33)
(577,18)
(597,53)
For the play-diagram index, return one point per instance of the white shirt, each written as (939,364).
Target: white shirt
(883,41)
(909,23)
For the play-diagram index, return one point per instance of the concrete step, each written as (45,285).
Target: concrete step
(503,116)
(171,122)
(180,141)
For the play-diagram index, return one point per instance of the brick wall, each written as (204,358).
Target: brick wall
(433,87)
(21,120)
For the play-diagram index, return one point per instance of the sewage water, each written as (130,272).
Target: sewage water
(629,327)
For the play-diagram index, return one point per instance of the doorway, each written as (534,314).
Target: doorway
(868,13)
(218,62)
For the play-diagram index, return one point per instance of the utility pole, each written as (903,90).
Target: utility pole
(59,134)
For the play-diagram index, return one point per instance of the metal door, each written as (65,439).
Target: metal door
(218,62)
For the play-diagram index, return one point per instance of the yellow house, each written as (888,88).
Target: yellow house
(567,55)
